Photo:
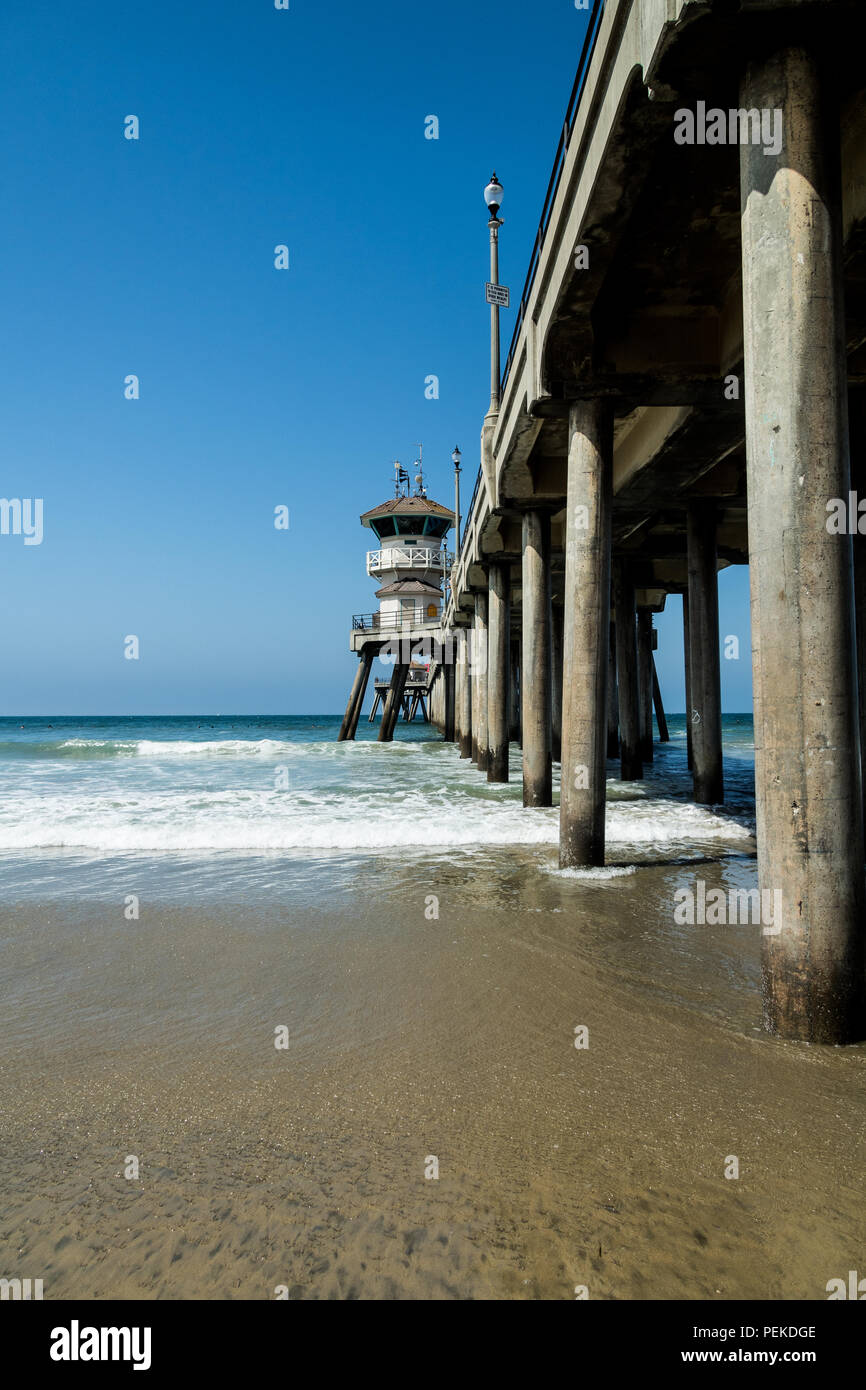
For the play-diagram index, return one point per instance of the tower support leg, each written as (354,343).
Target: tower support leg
(393,702)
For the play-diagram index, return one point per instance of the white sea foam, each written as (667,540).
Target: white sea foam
(599,873)
(251,819)
(219,748)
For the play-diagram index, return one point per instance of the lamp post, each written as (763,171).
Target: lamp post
(455,458)
(493,199)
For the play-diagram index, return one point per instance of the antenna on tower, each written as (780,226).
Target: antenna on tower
(401,477)
(420,490)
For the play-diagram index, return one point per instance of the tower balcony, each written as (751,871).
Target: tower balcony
(416,557)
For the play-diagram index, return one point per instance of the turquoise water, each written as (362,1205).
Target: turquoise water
(82,796)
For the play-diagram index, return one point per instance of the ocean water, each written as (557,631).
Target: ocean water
(226,801)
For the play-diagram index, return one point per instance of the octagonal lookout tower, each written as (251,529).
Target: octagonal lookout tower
(411,564)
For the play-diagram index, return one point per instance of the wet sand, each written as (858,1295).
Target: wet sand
(410,1038)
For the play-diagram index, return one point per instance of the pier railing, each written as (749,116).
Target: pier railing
(402,557)
(584,61)
(392,622)
(586,53)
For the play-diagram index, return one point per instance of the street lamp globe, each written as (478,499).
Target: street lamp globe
(456,457)
(493,196)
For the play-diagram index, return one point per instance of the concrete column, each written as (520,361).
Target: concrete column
(687,656)
(857,422)
(556,657)
(472,649)
(514,694)
(482,739)
(536,664)
(586,634)
(807,746)
(645,681)
(498,672)
(704,661)
(612,698)
(464,694)
(356,698)
(631,767)
(664,736)
(449,697)
(393,701)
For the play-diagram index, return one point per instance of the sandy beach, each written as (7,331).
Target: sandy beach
(303,1168)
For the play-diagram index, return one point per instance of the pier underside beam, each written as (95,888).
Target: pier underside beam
(631,767)
(807,755)
(498,672)
(706,683)
(536,661)
(586,634)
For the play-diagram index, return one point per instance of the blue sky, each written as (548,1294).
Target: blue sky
(258,387)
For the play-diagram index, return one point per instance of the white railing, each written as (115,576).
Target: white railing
(414,557)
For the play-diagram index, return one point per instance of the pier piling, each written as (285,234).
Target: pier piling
(807,754)
(480,735)
(393,702)
(463,677)
(498,672)
(645,680)
(706,685)
(586,626)
(356,698)
(631,767)
(536,662)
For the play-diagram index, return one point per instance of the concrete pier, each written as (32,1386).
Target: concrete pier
(631,766)
(536,667)
(498,673)
(721,316)
(587,634)
(645,680)
(807,773)
(706,688)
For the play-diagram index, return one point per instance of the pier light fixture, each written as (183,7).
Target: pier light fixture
(493,196)
(455,458)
